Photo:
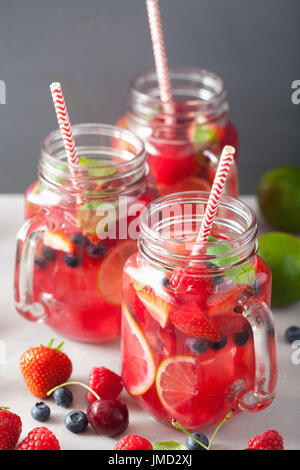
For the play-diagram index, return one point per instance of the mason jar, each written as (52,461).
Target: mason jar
(197,332)
(183,141)
(81,226)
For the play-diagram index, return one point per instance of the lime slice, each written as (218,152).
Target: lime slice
(109,278)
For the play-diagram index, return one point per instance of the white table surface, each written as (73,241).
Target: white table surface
(17,335)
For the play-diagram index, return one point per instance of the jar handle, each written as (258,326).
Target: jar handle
(260,318)
(29,235)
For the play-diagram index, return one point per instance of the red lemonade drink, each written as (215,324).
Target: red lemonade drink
(183,144)
(72,248)
(197,333)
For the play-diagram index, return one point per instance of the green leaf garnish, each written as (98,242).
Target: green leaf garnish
(106,170)
(168,445)
(204,135)
(243,274)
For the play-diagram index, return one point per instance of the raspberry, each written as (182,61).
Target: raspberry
(105,383)
(133,442)
(268,440)
(39,439)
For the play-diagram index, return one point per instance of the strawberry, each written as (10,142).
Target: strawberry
(190,320)
(39,439)
(44,367)
(105,383)
(268,440)
(58,240)
(133,442)
(10,429)
(230,301)
(156,306)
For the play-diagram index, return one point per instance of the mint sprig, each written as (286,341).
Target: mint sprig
(244,274)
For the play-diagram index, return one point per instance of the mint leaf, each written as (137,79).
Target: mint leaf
(107,170)
(168,445)
(243,274)
(203,135)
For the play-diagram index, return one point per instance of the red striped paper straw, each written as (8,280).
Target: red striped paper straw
(64,125)
(160,56)
(215,196)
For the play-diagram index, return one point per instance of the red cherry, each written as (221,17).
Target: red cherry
(108,417)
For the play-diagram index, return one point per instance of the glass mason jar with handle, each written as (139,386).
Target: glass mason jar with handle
(183,147)
(197,332)
(72,247)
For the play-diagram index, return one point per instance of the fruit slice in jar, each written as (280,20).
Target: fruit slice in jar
(109,278)
(58,240)
(156,306)
(177,389)
(138,370)
(191,321)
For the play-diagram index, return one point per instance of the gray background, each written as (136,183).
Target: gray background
(94,47)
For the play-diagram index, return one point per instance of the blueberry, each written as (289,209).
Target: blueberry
(217,280)
(40,411)
(48,253)
(76,421)
(63,397)
(197,346)
(240,338)
(216,346)
(193,445)
(79,239)
(165,281)
(40,262)
(96,250)
(292,334)
(72,260)
(210,265)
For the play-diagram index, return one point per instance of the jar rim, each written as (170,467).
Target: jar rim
(188,74)
(152,241)
(122,166)
(95,129)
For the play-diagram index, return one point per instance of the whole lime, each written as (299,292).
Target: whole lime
(278,195)
(281,251)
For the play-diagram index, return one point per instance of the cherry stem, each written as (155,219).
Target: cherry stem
(74,383)
(227,417)
(181,428)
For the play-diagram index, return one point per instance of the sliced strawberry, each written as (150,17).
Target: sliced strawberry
(191,321)
(156,306)
(225,309)
(230,301)
(58,240)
